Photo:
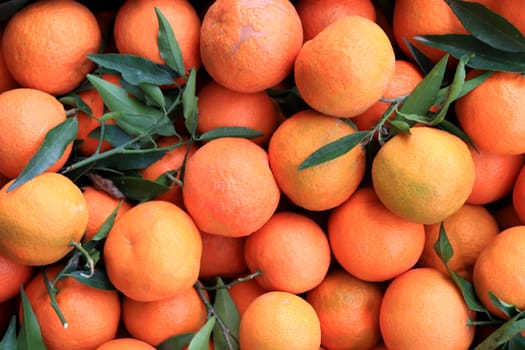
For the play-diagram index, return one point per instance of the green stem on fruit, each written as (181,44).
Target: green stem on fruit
(52,291)
(91,264)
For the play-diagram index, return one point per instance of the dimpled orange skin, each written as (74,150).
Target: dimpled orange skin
(46,43)
(28,114)
(125,344)
(346,68)
(250,45)
(424,176)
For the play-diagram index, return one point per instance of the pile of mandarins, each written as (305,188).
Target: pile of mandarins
(341,253)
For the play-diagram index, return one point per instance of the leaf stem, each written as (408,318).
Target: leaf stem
(52,291)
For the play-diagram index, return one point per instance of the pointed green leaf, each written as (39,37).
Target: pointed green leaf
(104,228)
(442,246)
(138,189)
(488,26)
(75,100)
(98,280)
(176,343)
(51,150)
(189,102)
(8,341)
(132,159)
(515,343)
(29,337)
(505,333)
(154,93)
(168,45)
(231,131)
(485,57)
(227,311)
(113,134)
(134,69)
(508,309)
(201,340)
(334,149)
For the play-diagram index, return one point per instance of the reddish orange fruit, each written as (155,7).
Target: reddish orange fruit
(222,256)
(125,343)
(12,276)
(244,293)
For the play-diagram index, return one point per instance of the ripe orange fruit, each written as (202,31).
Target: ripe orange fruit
(7,82)
(12,276)
(499,269)
(100,206)
(221,107)
(136,28)
(221,256)
(316,15)
(405,79)
(156,321)
(493,114)
(244,293)
(279,321)
(511,11)
(348,310)
(371,242)
(45,45)
(40,218)
(92,314)
(468,230)
(291,251)
(28,114)
(423,309)
(125,343)
(171,161)
(346,68)
(153,251)
(518,194)
(229,188)
(423,176)
(242,43)
(495,175)
(323,186)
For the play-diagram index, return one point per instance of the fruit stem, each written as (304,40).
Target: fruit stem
(89,259)
(52,291)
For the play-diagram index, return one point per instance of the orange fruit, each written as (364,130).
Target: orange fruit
(229,188)
(423,176)
(221,256)
(221,107)
(291,251)
(171,161)
(156,321)
(493,114)
(244,293)
(511,11)
(323,186)
(136,28)
(423,309)
(495,175)
(45,45)
(468,230)
(125,343)
(348,310)
(242,43)
(371,242)
(316,15)
(7,82)
(153,251)
(92,314)
(28,114)
(40,218)
(346,68)
(405,79)
(518,195)
(499,269)
(12,276)
(100,206)
(279,320)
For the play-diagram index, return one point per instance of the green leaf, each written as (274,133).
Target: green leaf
(505,333)
(400,125)
(176,343)
(515,343)
(9,8)
(98,280)
(227,311)
(132,159)
(485,57)
(201,340)
(139,189)
(29,337)
(154,93)
(113,134)
(51,150)
(189,103)
(488,26)
(168,45)
(442,245)
(334,149)
(134,69)
(473,83)
(8,342)
(75,100)
(424,63)
(231,131)
(104,228)
(508,309)
(455,130)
